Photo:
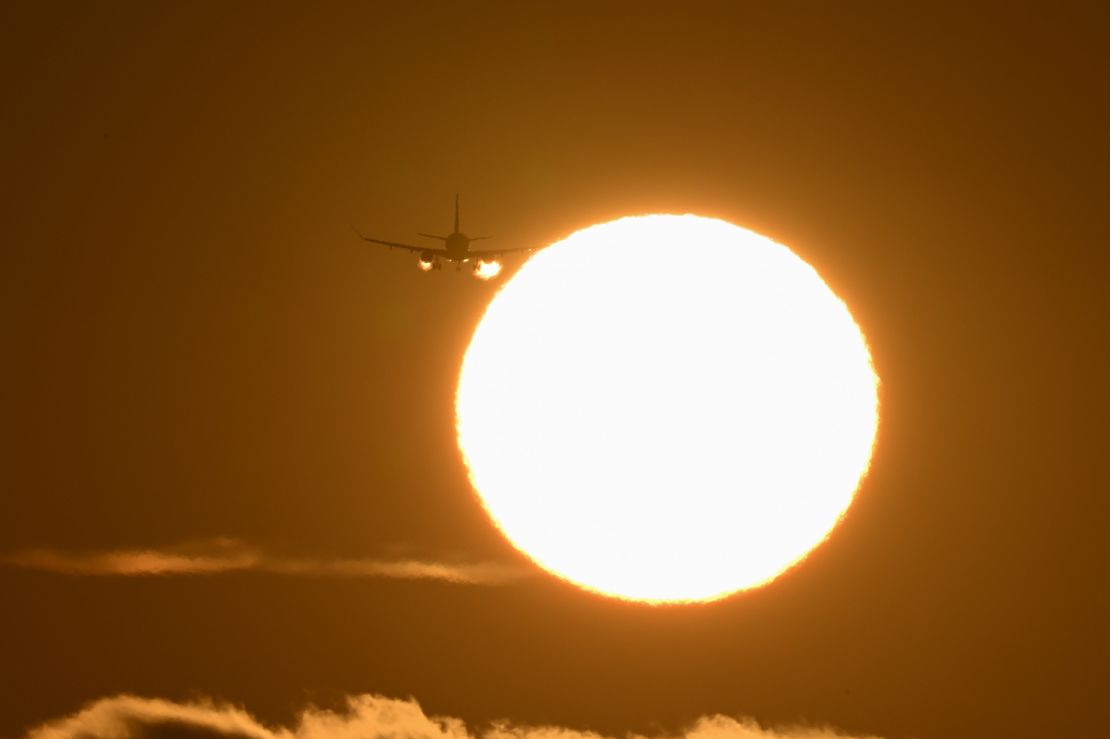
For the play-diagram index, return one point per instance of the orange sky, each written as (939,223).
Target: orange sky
(203,363)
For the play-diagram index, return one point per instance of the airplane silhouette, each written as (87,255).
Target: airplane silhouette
(456,249)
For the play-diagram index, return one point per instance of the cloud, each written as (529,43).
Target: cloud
(366,717)
(228,555)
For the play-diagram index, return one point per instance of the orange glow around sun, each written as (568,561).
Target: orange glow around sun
(666,409)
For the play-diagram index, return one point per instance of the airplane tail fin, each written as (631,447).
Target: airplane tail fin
(444,238)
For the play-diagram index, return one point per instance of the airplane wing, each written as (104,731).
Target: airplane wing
(499,252)
(395,245)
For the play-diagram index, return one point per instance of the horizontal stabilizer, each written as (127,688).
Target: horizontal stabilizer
(433,236)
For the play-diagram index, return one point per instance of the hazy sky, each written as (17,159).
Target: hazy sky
(208,375)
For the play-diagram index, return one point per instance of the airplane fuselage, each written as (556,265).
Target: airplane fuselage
(457,246)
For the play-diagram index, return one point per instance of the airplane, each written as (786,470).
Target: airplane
(456,249)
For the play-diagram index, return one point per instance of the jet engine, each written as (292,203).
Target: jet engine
(487,269)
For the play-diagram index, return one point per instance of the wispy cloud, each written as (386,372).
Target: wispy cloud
(366,717)
(216,556)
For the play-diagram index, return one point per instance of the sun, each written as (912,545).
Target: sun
(666,409)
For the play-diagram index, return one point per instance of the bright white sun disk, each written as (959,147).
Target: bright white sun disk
(666,408)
